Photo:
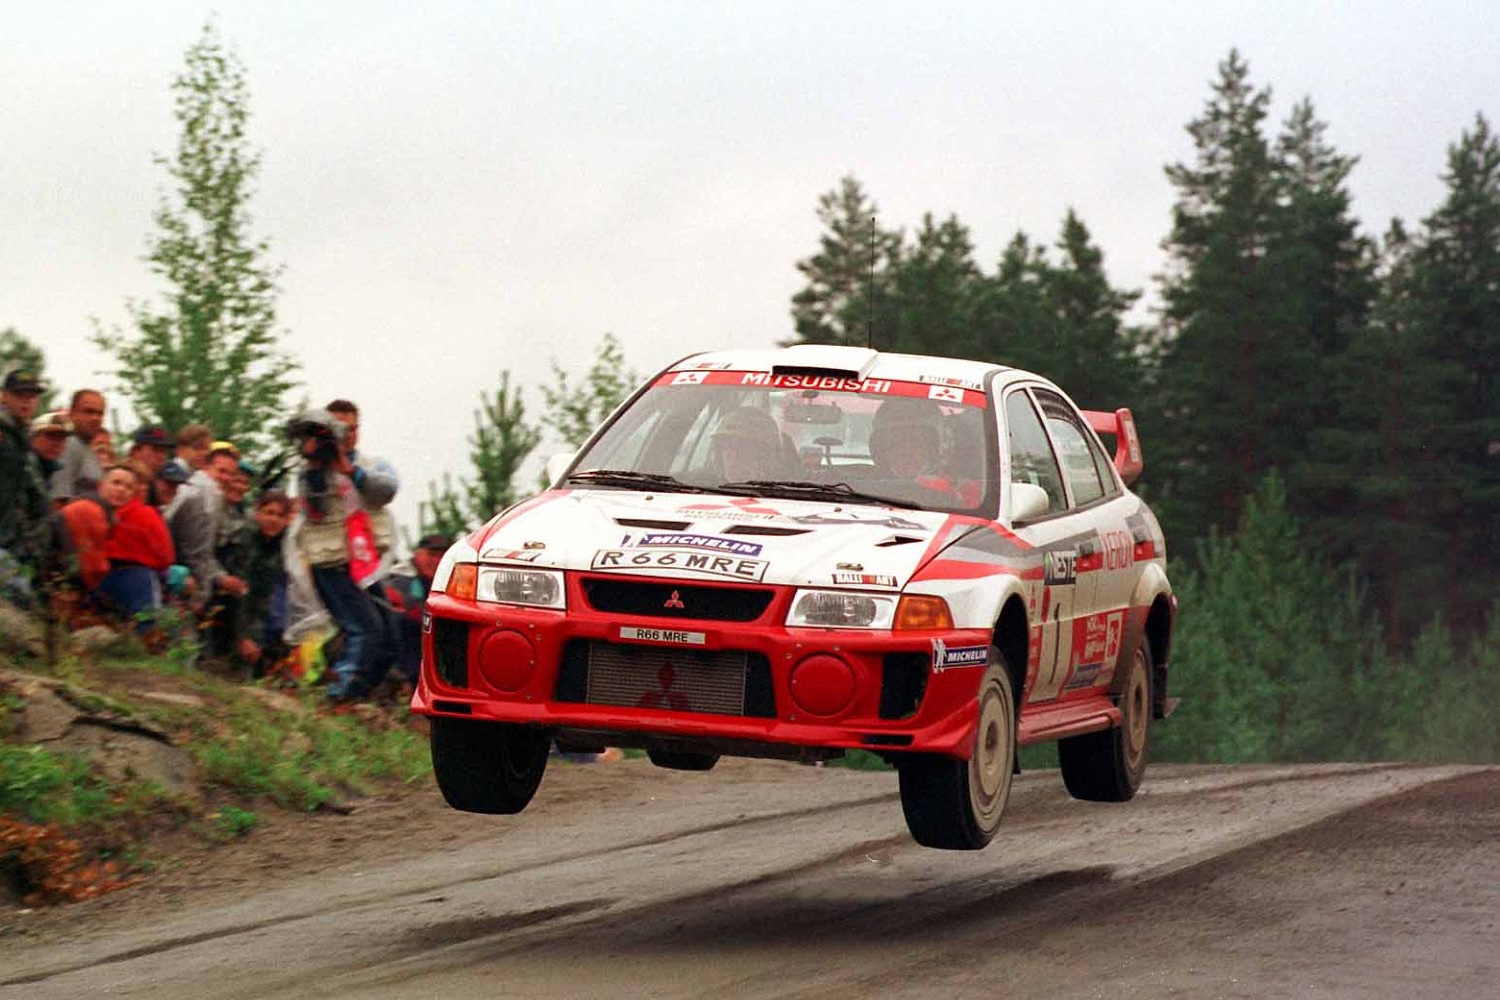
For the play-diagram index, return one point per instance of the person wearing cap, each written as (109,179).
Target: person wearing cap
(151,447)
(25,509)
(168,481)
(195,517)
(81,469)
(49,438)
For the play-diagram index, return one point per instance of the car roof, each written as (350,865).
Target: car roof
(851,362)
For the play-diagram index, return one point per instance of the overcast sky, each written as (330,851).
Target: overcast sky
(460,188)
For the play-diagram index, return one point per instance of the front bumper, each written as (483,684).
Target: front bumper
(816,687)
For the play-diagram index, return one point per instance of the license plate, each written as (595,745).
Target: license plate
(678,561)
(664,635)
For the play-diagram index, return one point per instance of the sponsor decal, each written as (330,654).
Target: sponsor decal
(666,696)
(675,601)
(683,540)
(1084,675)
(828,382)
(1060,567)
(426,621)
(513,555)
(890,521)
(962,383)
(712,365)
(689,378)
(945,657)
(1096,638)
(946,393)
(1119,550)
(663,635)
(865,579)
(680,560)
(738,509)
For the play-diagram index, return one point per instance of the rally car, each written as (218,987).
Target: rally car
(799,552)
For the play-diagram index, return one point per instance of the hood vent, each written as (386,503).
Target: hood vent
(762,529)
(898,540)
(643,522)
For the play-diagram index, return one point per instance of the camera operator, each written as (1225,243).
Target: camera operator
(329,498)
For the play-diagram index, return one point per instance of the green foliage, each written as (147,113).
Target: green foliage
(236,822)
(42,787)
(847,294)
(18,352)
(574,411)
(210,352)
(501,442)
(307,761)
(442,511)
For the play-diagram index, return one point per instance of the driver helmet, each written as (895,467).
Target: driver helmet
(904,413)
(752,434)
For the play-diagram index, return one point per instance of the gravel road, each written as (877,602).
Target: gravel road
(762,879)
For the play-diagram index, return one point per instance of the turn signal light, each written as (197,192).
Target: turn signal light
(464,583)
(920,611)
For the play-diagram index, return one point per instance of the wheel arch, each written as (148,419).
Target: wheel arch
(1012,635)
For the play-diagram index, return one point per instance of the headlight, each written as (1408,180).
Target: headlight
(842,609)
(537,588)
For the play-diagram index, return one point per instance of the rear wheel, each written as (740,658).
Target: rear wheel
(683,760)
(488,767)
(956,805)
(1108,766)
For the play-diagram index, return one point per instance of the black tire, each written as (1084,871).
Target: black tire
(1108,766)
(956,805)
(683,760)
(488,767)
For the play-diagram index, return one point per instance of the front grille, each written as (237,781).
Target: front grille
(717,682)
(666,600)
(450,648)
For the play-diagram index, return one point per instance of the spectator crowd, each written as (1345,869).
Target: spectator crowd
(176,523)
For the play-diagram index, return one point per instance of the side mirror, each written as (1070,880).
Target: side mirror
(1027,501)
(557,465)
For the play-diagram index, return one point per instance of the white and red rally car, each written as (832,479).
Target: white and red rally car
(797,552)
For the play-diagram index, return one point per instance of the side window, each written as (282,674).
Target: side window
(1031,458)
(1073,448)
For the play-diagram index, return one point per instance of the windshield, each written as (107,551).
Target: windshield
(879,441)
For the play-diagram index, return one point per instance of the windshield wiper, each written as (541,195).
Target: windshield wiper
(808,490)
(630,479)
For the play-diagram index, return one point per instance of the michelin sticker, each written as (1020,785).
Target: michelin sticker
(679,560)
(947,658)
(681,540)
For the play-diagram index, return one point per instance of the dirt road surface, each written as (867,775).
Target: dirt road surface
(774,880)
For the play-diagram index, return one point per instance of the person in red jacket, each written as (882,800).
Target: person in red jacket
(139,546)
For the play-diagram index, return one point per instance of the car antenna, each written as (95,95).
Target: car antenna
(870,292)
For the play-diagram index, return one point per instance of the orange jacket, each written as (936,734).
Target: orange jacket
(88,523)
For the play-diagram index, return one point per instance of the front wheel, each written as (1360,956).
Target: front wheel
(956,805)
(488,767)
(1108,766)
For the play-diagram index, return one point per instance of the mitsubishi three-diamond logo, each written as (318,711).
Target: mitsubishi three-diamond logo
(675,601)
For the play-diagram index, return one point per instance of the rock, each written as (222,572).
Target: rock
(130,752)
(172,698)
(20,634)
(95,639)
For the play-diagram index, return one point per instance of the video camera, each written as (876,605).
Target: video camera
(320,427)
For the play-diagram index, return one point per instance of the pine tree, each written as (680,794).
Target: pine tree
(18,352)
(932,290)
(843,301)
(1221,351)
(1421,426)
(210,353)
(502,441)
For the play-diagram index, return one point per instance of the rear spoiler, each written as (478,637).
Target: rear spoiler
(1121,425)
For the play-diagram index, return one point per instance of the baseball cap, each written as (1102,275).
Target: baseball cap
(23,380)
(436,541)
(52,422)
(152,435)
(174,473)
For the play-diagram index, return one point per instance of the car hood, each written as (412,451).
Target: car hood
(716,538)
